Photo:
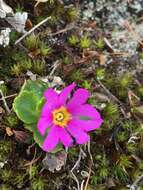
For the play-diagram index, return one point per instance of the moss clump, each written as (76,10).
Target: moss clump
(19,179)
(99,43)
(6,175)
(100,73)
(85,42)
(102,169)
(5,150)
(73,40)
(111,114)
(38,184)
(11,120)
(124,82)
(5,187)
(16,70)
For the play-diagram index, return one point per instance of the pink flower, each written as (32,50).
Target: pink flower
(67,117)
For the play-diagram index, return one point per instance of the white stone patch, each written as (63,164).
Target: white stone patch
(4,37)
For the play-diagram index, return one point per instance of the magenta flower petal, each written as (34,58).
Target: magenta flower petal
(76,131)
(64,136)
(52,139)
(79,98)
(88,125)
(65,93)
(43,124)
(85,110)
(47,110)
(51,96)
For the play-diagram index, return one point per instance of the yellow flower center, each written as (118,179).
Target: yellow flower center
(61,116)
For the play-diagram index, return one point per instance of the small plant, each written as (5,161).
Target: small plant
(32,42)
(71,14)
(16,70)
(77,76)
(26,64)
(6,174)
(4,89)
(73,40)
(33,171)
(86,85)
(125,80)
(99,43)
(38,184)
(122,136)
(66,60)
(85,42)
(5,150)
(140,91)
(11,120)
(39,66)
(124,162)
(120,174)
(100,73)
(131,147)
(19,179)
(45,50)
(111,113)
(5,187)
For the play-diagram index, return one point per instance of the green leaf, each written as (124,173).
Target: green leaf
(25,107)
(37,87)
(29,102)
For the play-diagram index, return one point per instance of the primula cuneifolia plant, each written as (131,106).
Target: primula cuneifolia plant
(56,118)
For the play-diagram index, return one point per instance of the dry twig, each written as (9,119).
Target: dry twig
(76,164)
(4,101)
(89,174)
(32,30)
(134,186)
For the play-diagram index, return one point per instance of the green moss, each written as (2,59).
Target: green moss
(99,43)
(39,67)
(66,59)
(124,162)
(45,50)
(73,40)
(71,14)
(33,171)
(111,114)
(131,147)
(124,82)
(38,184)
(6,175)
(85,42)
(11,120)
(5,187)
(19,179)
(102,169)
(16,70)
(5,150)
(100,73)
(77,76)
(120,174)
(86,84)
(4,89)
(140,91)
(122,136)
(32,42)
(26,64)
